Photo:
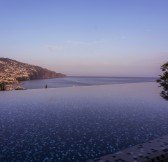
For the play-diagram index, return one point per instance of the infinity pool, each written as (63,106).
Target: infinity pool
(79,123)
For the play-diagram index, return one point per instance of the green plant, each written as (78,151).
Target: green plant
(163,80)
(19,88)
(2,86)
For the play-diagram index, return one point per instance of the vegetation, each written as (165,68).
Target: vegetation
(19,88)
(22,78)
(2,86)
(163,80)
(13,72)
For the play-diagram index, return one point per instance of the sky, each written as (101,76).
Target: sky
(87,37)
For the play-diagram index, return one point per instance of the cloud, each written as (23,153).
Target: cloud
(72,45)
(55,48)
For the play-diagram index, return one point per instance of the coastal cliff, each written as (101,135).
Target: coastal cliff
(12,72)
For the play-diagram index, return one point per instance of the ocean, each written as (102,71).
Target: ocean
(79,118)
(83,81)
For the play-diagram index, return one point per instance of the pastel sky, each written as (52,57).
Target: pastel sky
(87,37)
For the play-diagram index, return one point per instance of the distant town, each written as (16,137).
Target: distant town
(12,72)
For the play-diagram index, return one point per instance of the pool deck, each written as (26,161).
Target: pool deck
(152,151)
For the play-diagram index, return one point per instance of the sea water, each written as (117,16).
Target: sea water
(82,81)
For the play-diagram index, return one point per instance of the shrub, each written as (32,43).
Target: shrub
(19,88)
(163,80)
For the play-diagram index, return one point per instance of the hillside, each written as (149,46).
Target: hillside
(12,71)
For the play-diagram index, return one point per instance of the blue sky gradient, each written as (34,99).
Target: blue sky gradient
(87,37)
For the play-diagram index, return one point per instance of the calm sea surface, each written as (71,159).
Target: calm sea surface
(77,123)
(82,81)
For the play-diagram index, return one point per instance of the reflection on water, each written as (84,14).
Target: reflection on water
(79,123)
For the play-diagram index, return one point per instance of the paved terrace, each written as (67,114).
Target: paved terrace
(152,151)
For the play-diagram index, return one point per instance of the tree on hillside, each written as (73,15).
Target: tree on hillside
(163,80)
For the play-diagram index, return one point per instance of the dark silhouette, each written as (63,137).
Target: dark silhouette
(2,86)
(163,81)
(46,86)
